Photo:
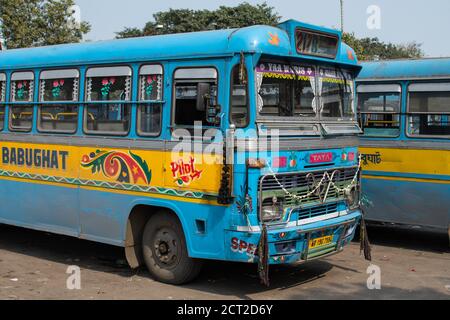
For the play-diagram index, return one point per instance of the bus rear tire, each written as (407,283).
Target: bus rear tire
(165,251)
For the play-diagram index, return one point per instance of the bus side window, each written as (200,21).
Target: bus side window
(58,87)
(239,97)
(191,86)
(108,95)
(22,88)
(2,100)
(379,107)
(429,109)
(150,94)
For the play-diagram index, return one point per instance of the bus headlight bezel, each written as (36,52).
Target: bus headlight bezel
(353,197)
(272,209)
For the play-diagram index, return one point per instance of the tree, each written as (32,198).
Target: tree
(245,14)
(373,48)
(32,23)
(186,20)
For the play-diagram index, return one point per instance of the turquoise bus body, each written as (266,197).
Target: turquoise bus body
(212,231)
(411,183)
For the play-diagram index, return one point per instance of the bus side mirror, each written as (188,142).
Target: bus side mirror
(203,96)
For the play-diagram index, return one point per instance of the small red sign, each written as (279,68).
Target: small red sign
(351,156)
(321,157)
(279,162)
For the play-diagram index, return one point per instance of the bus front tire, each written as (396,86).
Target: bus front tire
(165,251)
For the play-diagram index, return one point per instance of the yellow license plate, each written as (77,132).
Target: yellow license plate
(319,242)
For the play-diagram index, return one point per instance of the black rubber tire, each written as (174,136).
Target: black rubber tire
(183,269)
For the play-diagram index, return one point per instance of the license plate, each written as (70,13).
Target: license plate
(319,242)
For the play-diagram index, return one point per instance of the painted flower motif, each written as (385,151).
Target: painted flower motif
(119,166)
(151,79)
(107,83)
(150,84)
(57,87)
(21,87)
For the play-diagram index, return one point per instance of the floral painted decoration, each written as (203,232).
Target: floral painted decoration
(150,82)
(119,166)
(293,160)
(107,83)
(57,87)
(21,88)
(244,203)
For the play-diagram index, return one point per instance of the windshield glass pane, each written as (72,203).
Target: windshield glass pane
(336,90)
(286,90)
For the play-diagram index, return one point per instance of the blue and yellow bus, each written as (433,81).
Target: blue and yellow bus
(155,144)
(405,114)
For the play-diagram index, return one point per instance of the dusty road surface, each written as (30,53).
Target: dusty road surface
(414,265)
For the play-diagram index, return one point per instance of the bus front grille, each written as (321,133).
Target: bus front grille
(299,186)
(317,211)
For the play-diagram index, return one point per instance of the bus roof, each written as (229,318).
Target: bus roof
(409,69)
(277,41)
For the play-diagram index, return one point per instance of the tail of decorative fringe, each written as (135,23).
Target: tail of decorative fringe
(263,253)
(364,244)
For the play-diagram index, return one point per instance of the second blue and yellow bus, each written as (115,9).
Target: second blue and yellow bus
(89,133)
(405,114)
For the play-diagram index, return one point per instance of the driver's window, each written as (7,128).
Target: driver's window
(195,95)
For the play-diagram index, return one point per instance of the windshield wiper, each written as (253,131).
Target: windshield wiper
(344,92)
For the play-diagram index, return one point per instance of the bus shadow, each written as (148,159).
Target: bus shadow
(64,249)
(236,280)
(217,277)
(408,238)
(240,280)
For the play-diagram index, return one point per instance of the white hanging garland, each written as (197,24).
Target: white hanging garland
(326,177)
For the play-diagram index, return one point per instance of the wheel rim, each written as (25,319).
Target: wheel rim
(166,247)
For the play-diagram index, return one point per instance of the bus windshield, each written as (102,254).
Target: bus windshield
(336,94)
(304,92)
(286,90)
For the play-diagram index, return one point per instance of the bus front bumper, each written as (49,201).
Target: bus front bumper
(295,244)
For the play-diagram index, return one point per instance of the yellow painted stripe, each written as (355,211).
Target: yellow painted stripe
(433,162)
(405,179)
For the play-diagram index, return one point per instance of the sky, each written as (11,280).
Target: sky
(401,21)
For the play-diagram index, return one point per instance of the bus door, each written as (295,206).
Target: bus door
(197,117)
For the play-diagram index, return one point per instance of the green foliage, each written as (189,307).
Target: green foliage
(186,20)
(373,48)
(32,23)
(245,14)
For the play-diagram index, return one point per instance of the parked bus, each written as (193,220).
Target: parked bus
(404,109)
(89,132)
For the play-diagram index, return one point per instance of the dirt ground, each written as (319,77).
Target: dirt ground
(414,265)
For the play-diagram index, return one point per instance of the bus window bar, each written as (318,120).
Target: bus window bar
(82,102)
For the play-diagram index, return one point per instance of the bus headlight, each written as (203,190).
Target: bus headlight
(272,209)
(353,197)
